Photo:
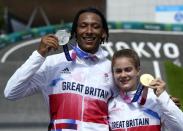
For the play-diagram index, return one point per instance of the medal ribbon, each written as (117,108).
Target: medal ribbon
(137,95)
(79,53)
(66,52)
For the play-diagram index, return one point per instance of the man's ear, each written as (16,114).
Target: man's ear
(104,35)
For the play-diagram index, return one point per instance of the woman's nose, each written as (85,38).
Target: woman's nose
(123,74)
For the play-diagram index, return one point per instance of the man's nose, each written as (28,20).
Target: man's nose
(89,29)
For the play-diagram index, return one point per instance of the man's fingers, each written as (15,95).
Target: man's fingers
(174,98)
(51,42)
(176,101)
(48,43)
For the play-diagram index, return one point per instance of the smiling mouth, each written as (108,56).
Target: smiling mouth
(89,39)
(122,81)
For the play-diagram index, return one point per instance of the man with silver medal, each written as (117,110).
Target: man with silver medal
(76,84)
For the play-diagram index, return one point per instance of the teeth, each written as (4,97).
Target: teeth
(122,80)
(89,38)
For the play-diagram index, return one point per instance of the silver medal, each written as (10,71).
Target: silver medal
(63,36)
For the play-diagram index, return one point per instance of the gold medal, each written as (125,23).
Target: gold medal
(146,79)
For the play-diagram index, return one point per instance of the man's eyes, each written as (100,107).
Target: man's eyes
(96,26)
(82,25)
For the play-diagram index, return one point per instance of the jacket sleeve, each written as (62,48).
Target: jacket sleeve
(171,115)
(27,79)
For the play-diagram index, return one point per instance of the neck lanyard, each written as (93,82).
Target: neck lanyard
(80,53)
(66,52)
(77,52)
(137,95)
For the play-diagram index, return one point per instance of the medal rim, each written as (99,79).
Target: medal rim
(61,34)
(144,77)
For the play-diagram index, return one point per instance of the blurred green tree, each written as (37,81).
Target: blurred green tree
(174,77)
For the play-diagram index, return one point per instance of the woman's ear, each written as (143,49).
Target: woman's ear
(138,71)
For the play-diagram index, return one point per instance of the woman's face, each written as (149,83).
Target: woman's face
(125,74)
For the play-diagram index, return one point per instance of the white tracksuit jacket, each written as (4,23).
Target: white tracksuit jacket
(156,113)
(76,92)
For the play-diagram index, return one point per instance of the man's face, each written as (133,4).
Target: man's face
(89,32)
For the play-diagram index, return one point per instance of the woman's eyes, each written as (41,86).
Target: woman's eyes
(127,69)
